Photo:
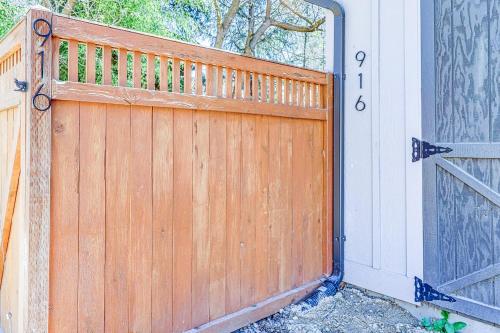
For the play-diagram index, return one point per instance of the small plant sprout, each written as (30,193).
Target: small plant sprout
(443,325)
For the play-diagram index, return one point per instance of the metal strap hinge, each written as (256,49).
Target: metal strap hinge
(423,149)
(425,292)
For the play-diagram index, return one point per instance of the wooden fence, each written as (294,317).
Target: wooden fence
(190,188)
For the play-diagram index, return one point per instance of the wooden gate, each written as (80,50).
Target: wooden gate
(462,189)
(190,188)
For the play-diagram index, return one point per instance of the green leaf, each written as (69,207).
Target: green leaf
(449,328)
(445,314)
(459,326)
(426,322)
(439,325)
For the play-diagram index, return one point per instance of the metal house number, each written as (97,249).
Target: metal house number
(41,101)
(360,104)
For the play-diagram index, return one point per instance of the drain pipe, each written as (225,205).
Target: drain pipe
(338,138)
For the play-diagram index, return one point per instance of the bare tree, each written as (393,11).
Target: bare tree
(258,25)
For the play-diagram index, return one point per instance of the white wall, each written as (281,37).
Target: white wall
(383,201)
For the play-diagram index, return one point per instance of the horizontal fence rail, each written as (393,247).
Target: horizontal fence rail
(160,70)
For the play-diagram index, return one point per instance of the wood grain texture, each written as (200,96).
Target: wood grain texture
(163,179)
(69,28)
(129,96)
(470,68)
(261,208)
(201,218)
(233,211)
(39,178)
(118,143)
(183,216)
(248,210)
(64,218)
(91,221)
(444,71)
(494,62)
(217,194)
(205,206)
(140,241)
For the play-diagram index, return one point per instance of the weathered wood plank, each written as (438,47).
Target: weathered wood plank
(494,63)
(470,71)
(444,71)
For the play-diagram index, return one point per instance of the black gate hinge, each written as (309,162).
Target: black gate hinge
(22,86)
(424,292)
(423,149)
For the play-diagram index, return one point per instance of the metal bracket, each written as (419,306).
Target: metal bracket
(425,292)
(22,86)
(423,149)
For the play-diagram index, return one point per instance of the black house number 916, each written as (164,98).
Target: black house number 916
(360,57)
(39,98)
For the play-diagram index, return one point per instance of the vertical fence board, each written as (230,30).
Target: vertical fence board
(286,195)
(299,183)
(55,58)
(308,225)
(151,72)
(201,226)
(63,313)
(176,75)
(248,196)
(233,197)
(188,73)
(106,71)
(137,70)
(117,217)
(163,74)
(317,199)
(261,212)
(163,178)
(183,217)
(276,212)
(122,68)
(217,194)
(91,226)
(73,61)
(140,243)
(90,65)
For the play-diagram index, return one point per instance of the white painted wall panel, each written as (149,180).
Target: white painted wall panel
(383,188)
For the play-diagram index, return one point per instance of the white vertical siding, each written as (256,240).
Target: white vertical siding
(383,188)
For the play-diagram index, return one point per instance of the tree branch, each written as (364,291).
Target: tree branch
(298,28)
(68,8)
(295,12)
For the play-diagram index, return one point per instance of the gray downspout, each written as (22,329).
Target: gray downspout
(338,137)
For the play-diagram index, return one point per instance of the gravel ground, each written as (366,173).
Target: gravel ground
(350,311)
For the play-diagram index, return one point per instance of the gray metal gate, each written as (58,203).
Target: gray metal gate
(461,110)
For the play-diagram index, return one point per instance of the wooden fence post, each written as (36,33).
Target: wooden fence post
(38,155)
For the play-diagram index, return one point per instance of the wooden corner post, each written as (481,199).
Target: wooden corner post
(38,156)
